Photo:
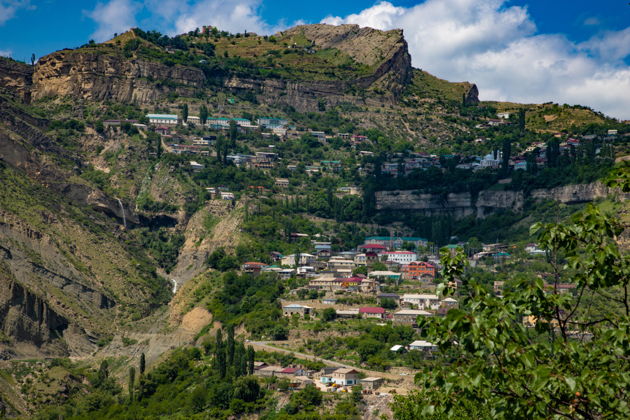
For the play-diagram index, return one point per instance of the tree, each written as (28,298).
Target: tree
(33,59)
(203,114)
(521,120)
(230,346)
(185,112)
(132,382)
(251,355)
(219,355)
(233,133)
(329,314)
(505,155)
(143,364)
(506,370)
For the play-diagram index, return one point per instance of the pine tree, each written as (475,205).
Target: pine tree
(132,382)
(230,346)
(251,354)
(203,114)
(185,112)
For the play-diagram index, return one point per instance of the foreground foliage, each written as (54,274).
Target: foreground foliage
(574,362)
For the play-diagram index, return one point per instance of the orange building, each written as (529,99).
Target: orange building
(418,269)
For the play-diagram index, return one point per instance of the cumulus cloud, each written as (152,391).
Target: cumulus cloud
(8,8)
(176,16)
(5,53)
(231,15)
(497,47)
(115,16)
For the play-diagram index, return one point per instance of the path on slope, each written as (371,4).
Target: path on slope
(265,345)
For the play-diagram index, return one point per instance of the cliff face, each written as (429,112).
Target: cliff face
(16,79)
(384,52)
(108,75)
(101,76)
(488,201)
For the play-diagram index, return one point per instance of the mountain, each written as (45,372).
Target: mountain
(98,222)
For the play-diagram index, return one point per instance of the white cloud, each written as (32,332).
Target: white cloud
(8,8)
(496,46)
(5,53)
(115,16)
(228,15)
(178,16)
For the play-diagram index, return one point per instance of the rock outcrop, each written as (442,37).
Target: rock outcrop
(98,76)
(15,79)
(460,205)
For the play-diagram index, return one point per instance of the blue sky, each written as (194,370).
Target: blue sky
(530,51)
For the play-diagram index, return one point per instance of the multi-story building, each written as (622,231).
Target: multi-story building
(167,119)
(395,242)
(418,270)
(401,257)
(422,301)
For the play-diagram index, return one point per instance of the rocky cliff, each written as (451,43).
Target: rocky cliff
(15,79)
(108,75)
(488,201)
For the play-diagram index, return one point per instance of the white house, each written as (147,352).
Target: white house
(401,257)
(422,346)
(304,259)
(503,115)
(168,119)
(423,301)
(196,166)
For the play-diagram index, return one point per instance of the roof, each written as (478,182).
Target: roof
(388,295)
(371,379)
(371,310)
(163,116)
(394,238)
(383,273)
(450,300)
(419,296)
(296,306)
(372,246)
(400,253)
(421,343)
(289,370)
(346,370)
(255,263)
(412,312)
(347,311)
(396,347)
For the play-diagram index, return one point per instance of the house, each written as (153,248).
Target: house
(285,273)
(491,161)
(193,119)
(259,365)
(268,371)
(418,269)
(395,242)
(345,377)
(329,301)
(166,119)
(347,313)
(369,286)
(409,316)
(375,248)
(282,183)
(323,249)
(291,371)
(503,115)
(422,301)
(226,195)
(360,259)
(294,308)
(253,267)
(422,346)
(319,135)
(532,249)
(196,166)
(271,122)
(449,302)
(336,262)
(385,275)
(304,259)
(372,312)
(520,165)
(396,348)
(401,257)
(371,382)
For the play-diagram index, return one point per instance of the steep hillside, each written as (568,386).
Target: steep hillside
(68,279)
